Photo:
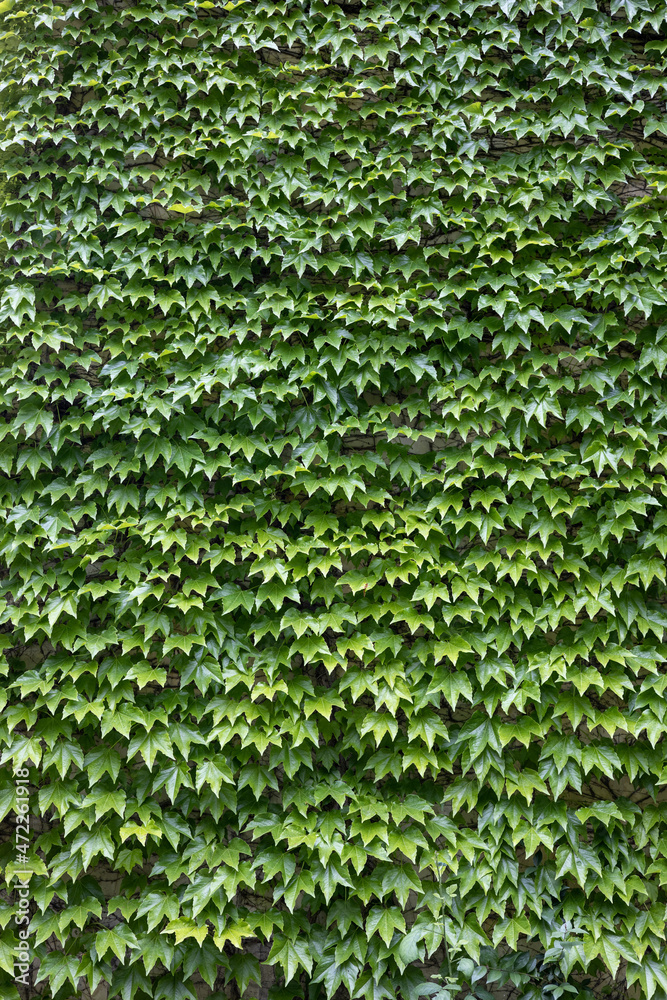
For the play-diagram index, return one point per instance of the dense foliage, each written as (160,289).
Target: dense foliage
(333,488)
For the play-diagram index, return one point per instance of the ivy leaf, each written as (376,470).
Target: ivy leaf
(103,760)
(385,922)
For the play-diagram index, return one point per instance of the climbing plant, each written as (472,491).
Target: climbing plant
(9,91)
(333,339)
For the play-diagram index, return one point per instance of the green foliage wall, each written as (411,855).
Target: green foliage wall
(333,486)
(9,90)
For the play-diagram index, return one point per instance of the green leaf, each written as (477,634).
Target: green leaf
(385,922)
